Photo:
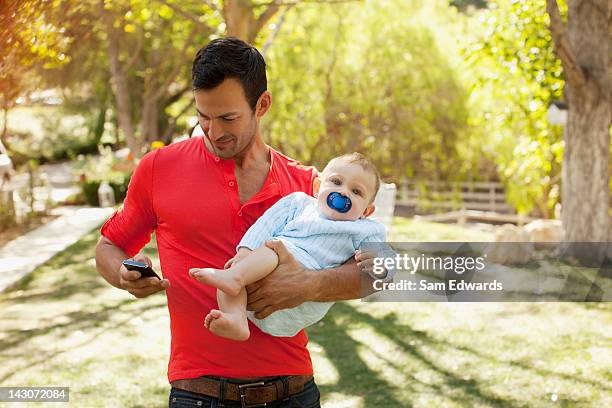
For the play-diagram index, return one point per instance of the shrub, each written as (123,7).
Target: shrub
(94,170)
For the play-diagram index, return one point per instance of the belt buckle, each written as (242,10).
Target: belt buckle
(241,387)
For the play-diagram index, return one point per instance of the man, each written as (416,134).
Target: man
(200,196)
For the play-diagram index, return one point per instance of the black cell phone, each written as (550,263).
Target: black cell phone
(145,270)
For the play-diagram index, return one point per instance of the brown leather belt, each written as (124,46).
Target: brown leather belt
(253,394)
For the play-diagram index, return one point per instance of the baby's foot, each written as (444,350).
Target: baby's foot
(218,278)
(231,326)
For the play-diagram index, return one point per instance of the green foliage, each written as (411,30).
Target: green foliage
(516,77)
(93,170)
(464,5)
(28,41)
(383,78)
(368,77)
(49,134)
(90,190)
(155,48)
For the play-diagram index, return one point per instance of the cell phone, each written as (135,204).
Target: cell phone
(145,270)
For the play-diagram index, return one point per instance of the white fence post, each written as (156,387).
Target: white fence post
(385,204)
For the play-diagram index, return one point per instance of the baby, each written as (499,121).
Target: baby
(321,232)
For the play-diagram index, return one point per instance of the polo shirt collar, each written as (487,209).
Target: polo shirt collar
(218,159)
(271,186)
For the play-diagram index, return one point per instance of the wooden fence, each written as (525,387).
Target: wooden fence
(436,197)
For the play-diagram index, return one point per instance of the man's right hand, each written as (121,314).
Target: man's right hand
(140,288)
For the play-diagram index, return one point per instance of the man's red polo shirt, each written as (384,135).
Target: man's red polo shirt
(189,197)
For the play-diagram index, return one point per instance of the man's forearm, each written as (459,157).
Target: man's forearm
(108,261)
(344,282)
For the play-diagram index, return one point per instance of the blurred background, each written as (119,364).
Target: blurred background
(488,120)
(437,93)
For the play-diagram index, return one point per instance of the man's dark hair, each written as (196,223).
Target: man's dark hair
(230,57)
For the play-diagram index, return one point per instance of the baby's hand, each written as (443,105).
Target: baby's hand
(365,262)
(241,254)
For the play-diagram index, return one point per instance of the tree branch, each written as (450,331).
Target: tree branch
(294,2)
(575,75)
(174,120)
(190,16)
(212,5)
(263,18)
(176,96)
(279,24)
(136,52)
(162,88)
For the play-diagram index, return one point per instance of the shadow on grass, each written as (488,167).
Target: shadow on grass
(73,270)
(92,323)
(71,273)
(341,349)
(77,320)
(63,290)
(68,273)
(75,259)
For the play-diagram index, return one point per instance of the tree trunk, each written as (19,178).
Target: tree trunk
(586,168)
(150,128)
(99,129)
(119,86)
(4,127)
(238,17)
(585,50)
(240,20)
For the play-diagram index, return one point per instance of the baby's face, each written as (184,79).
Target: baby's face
(352,181)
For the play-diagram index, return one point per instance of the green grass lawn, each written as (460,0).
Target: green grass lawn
(64,326)
(405,229)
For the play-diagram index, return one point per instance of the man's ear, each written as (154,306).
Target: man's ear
(263,104)
(369,210)
(316,184)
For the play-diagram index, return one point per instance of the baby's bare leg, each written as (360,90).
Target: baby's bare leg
(252,268)
(231,320)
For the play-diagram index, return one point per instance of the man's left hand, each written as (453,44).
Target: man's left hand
(285,287)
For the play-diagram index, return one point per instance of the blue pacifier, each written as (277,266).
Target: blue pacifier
(338,202)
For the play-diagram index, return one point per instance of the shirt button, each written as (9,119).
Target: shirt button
(217,159)
(240,213)
(231,184)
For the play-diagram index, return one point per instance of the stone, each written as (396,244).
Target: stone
(541,231)
(511,247)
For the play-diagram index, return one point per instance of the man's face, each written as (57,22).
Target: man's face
(226,118)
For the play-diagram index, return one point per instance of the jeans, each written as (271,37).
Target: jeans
(309,397)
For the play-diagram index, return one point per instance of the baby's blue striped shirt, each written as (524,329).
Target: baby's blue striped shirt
(296,221)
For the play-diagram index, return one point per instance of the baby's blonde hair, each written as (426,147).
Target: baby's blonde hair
(360,159)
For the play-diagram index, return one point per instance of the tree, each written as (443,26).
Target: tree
(241,20)
(368,78)
(515,75)
(26,43)
(245,19)
(143,49)
(584,46)
(149,46)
